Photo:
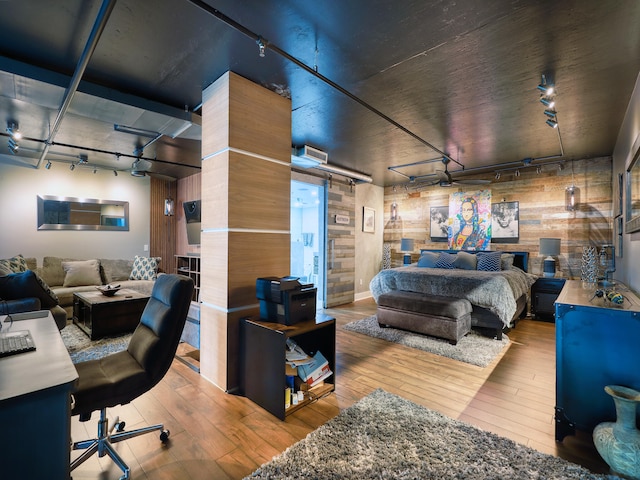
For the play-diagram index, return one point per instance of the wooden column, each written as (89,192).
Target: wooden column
(246,176)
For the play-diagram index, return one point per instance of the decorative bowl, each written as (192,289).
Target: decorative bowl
(108,290)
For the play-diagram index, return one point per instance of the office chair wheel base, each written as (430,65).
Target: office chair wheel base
(164,436)
(120,426)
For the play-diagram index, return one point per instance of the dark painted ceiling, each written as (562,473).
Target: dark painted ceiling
(414,78)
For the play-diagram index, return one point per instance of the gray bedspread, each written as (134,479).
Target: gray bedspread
(495,291)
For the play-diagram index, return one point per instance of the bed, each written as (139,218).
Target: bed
(498,298)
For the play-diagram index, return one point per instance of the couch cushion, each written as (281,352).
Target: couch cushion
(115,270)
(27,284)
(81,272)
(52,272)
(144,268)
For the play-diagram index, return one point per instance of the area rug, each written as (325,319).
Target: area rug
(384,436)
(473,348)
(81,348)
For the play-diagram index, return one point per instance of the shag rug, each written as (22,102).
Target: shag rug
(384,436)
(81,348)
(473,348)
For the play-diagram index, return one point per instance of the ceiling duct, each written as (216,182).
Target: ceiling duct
(308,157)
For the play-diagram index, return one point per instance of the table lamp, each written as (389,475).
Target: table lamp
(406,245)
(549,247)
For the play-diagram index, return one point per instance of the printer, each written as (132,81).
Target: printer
(285,300)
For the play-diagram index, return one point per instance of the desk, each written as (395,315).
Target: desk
(35,410)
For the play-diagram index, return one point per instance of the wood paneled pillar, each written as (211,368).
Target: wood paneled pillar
(246,177)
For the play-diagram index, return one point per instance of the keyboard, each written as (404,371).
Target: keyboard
(19,341)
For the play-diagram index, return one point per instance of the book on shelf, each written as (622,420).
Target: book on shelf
(315,371)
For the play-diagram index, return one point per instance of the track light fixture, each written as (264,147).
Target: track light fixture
(497,175)
(135,169)
(538,169)
(115,173)
(517,174)
(48,165)
(552,123)
(72,167)
(82,159)
(14,146)
(547,101)
(261,46)
(14,130)
(546,88)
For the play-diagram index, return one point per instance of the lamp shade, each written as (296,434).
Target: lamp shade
(406,245)
(550,246)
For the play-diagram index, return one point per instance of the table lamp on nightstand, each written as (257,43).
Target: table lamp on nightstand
(406,245)
(550,248)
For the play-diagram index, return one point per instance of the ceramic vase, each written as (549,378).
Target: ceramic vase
(618,443)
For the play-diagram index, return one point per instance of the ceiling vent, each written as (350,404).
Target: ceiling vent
(308,157)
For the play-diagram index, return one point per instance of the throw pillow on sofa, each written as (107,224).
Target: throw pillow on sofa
(144,268)
(25,285)
(81,272)
(13,265)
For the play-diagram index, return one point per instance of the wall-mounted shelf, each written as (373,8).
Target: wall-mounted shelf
(189,265)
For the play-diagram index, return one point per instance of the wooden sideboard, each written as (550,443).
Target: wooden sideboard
(596,345)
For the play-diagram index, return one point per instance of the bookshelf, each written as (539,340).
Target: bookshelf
(262,354)
(189,265)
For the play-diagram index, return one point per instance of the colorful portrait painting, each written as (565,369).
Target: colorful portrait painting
(470,220)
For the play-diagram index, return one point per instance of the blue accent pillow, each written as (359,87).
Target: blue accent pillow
(489,261)
(445,260)
(465,261)
(428,259)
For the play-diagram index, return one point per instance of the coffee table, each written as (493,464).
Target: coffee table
(98,315)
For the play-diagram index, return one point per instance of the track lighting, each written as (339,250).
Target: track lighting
(517,173)
(72,167)
(261,46)
(48,165)
(550,113)
(547,102)
(538,169)
(546,88)
(82,159)
(14,146)
(135,169)
(95,170)
(14,130)
(497,175)
(552,123)
(115,173)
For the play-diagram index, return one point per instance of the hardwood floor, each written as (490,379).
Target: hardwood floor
(215,435)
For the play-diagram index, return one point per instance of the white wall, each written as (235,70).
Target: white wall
(368,251)
(19,188)
(627,270)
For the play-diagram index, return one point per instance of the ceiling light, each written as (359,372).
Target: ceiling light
(14,146)
(14,130)
(552,123)
(544,87)
(261,46)
(517,173)
(550,113)
(538,169)
(115,173)
(547,102)
(83,159)
(497,175)
(48,165)
(72,166)
(95,170)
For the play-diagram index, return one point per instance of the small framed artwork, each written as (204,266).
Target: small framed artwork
(368,220)
(505,219)
(439,216)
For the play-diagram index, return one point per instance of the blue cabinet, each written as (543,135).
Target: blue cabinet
(597,344)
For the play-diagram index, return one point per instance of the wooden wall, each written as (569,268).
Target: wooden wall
(341,245)
(189,188)
(162,228)
(541,200)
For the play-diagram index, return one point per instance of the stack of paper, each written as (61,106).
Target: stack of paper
(316,371)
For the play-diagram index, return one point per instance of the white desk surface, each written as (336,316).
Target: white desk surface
(48,366)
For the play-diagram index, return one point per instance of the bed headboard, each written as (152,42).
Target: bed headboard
(521,259)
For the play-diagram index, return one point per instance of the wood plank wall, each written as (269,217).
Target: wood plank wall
(541,200)
(341,245)
(162,228)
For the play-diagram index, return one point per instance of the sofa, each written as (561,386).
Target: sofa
(26,286)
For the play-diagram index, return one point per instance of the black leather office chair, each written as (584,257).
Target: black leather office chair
(121,377)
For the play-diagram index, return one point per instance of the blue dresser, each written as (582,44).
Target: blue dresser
(597,344)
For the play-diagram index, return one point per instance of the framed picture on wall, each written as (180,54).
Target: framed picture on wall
(368,220)
(505,219)
(439,217)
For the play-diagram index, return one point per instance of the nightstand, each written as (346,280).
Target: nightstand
(544,293)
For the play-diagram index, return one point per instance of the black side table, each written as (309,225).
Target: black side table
(544,293)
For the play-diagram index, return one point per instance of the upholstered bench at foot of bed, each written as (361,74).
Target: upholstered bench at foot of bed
(443,317)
